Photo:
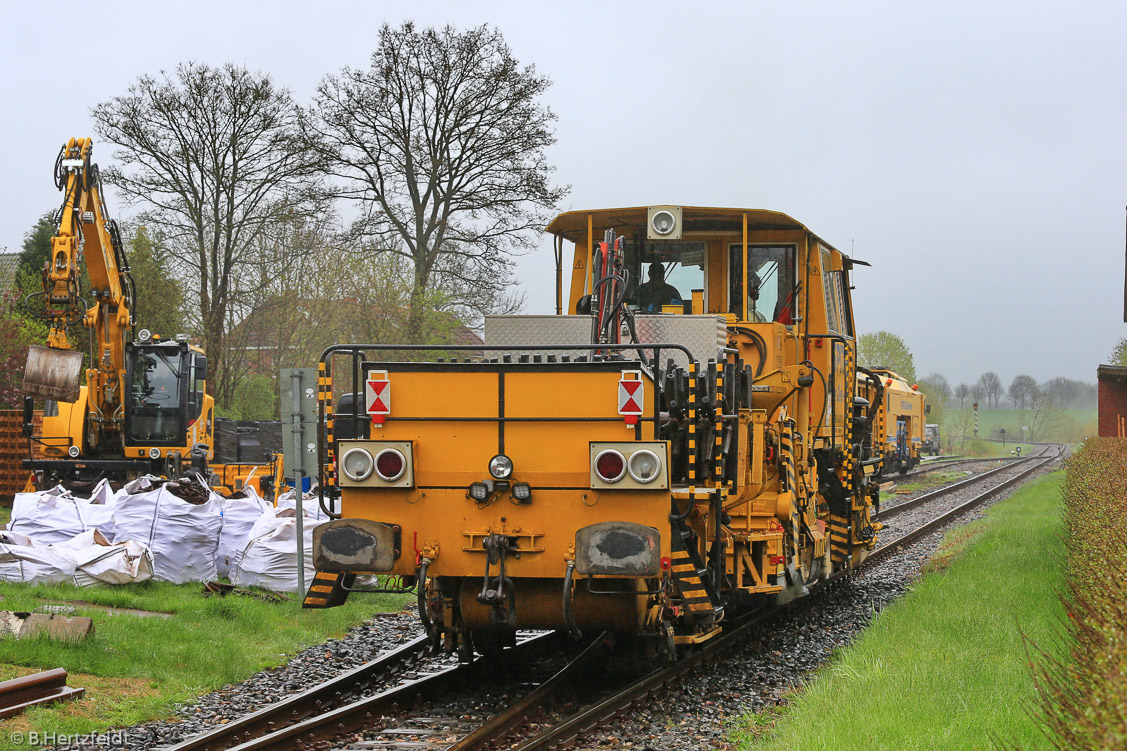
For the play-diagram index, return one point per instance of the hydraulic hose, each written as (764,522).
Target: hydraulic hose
(421,593)
(568,615)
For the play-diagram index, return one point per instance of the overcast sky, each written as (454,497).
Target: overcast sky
(973,152)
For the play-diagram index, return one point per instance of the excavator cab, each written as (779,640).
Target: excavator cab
(166,394)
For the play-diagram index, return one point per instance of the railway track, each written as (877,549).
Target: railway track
(937,464)
(892,511)
(337,708)
(344,713)
(1035,463)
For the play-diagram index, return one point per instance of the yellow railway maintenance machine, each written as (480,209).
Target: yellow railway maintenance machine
(676,447)
(898,423)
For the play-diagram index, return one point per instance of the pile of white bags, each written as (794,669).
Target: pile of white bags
(86,559)
(269,559)
(56,536)
(183,537)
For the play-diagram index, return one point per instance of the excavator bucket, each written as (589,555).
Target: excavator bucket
(52,373)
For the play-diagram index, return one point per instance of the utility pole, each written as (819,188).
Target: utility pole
(299,444)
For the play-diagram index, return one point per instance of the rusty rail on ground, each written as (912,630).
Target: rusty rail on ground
(47,687)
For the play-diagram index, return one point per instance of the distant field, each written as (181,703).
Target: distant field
(1065,426)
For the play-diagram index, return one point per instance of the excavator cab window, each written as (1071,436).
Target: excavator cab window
(195,395)
(156,381)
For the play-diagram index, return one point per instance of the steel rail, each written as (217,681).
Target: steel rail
(358,715)
(590,717)
(893,511)
(500,724)
(937,464)
(300,706)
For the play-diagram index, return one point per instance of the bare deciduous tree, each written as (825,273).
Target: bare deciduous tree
(1022,389)
(442,141)
(1063,391)
(992,387)
(214,156)
(962,391)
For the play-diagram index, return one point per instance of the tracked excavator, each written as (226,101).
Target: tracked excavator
(144,407)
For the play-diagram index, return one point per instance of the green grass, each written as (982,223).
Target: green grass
(135,668)
(945,666)
(5,515)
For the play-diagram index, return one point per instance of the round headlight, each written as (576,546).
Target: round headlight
(390,465)
(144,335)
(357,464)
(610,466)
(501,467)
(74,451)
(663,222)
(154,453)
(644,465)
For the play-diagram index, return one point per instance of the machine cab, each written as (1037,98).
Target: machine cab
(165,382)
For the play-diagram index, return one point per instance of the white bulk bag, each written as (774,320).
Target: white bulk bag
(49,516)
(121,563)
(99,512)
(310,505)
(35,565)
(239,516)
(269,559)
(183,537)
(98,561)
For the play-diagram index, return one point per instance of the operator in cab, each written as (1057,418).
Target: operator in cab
(657,292)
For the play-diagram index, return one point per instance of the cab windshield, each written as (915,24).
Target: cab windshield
(154,395)
(664,273)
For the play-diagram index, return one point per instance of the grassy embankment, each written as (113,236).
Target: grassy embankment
(135,668)
(945,666)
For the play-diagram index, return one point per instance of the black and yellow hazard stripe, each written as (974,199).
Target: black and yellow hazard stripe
(325,396)
(690,583)
(786,450)
(328,589)
(718,428)
(840,539)
(692,426)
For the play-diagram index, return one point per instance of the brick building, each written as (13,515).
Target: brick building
(1112,401)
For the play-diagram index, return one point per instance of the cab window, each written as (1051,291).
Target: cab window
(664,273)
(771,289)
(829,286)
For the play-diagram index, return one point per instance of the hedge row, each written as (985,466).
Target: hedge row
(1082,695)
